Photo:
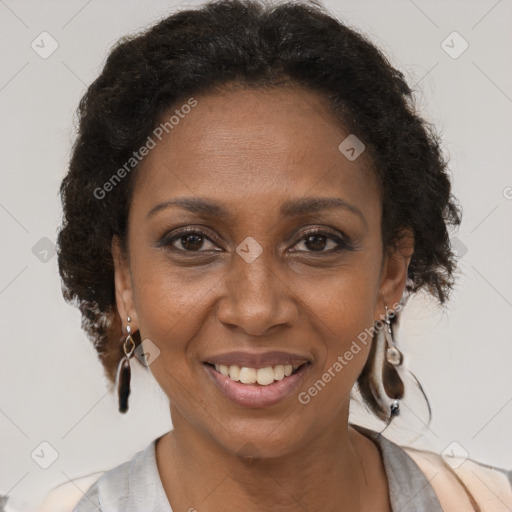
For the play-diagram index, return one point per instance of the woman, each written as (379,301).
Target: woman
(250,200)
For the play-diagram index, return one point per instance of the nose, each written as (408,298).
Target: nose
(256,296)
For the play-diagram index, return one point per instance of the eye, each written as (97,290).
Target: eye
(188,240)
(196,240)
(321,240)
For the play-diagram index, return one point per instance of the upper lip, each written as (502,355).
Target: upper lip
(257,360)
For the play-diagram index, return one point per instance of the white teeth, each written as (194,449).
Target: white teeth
(247,375)
(222,368)
(263,376)
(279,372)
(234,372)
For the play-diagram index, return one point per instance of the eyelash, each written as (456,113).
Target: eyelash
(342,244)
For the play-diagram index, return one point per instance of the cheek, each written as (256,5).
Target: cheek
(343,321)
(167,304)
(345,299)
(342,334)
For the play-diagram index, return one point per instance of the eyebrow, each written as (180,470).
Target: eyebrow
(290,208)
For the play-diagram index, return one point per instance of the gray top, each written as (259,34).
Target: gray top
(135,486)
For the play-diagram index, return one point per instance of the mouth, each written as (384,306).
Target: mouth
(261,376)
(262,387)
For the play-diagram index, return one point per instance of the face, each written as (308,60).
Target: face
(254,242)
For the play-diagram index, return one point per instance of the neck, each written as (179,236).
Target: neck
(327,472)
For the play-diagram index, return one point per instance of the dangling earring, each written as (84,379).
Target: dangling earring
(393,385)
(124,370)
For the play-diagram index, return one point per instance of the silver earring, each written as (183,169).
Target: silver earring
(124,370)
(393,355)
(392,382)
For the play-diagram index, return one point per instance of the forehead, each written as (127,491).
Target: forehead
(253,145)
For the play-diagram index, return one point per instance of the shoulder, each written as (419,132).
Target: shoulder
(83,494)
(104,491)
(463,484)
(65,497)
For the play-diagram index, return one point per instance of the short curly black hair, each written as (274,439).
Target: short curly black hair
(252,44)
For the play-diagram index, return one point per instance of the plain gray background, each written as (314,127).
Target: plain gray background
(52,385)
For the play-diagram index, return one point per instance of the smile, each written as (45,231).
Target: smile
(257,387)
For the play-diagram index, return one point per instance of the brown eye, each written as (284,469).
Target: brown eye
(192,241)
(322,241)
(316,242)
(188,241)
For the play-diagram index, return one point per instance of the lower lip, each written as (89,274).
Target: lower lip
(255,396)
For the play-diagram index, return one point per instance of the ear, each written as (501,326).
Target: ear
(394,274)
(123,285)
